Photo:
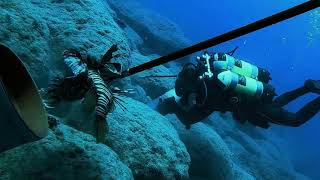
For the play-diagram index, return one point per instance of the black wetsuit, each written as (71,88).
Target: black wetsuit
(275,113)
(208,96)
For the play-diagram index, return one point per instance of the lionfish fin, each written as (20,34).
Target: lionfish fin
(89,101)
(120,103)
(112,106)
(101,129)
(108,55)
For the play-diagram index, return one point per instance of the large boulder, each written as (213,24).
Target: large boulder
(136,42)
(147,142)
(64,154)
(210,156)
(39,31)
(253,148)
(222,148)
(159,34)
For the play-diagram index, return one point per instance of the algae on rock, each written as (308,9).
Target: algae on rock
(159,34)
(64,154)
(39,31)
(222,148)
(147,142)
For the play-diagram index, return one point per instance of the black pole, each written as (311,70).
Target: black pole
(276,18)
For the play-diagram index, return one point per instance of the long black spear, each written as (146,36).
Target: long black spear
(276,18)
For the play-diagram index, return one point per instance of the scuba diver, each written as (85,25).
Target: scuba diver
(220,82)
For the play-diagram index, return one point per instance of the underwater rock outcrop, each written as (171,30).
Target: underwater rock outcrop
(39,31)
(252,149)
(241,151)
(147,142)
(144,140)
(159,34)
(210,156)
(64,154)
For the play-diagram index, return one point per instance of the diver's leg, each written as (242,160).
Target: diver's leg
(309,86)
(308,111)
(287,97)
(280,116)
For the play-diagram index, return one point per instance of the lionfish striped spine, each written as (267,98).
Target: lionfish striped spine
(105,102)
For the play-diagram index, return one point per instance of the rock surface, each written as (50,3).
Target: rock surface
(159,34)
(147,142)
(64,154)
(233,151)
(253,150)
(210,156)
(39,31)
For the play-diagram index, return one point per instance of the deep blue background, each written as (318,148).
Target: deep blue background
(284,49)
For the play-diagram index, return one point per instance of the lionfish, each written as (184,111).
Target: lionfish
(90,77)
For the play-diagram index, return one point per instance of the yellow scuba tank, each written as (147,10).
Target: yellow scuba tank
(222,61)
(245,85)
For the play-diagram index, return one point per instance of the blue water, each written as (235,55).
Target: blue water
(284,49)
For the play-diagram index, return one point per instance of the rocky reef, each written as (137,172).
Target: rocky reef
(64,154)
(141,144)
(158,34)
(222,148)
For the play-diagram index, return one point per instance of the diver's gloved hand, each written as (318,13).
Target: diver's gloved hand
(167,105)
(313,85)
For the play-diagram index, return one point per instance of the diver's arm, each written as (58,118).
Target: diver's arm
(166,105)
(187,114)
